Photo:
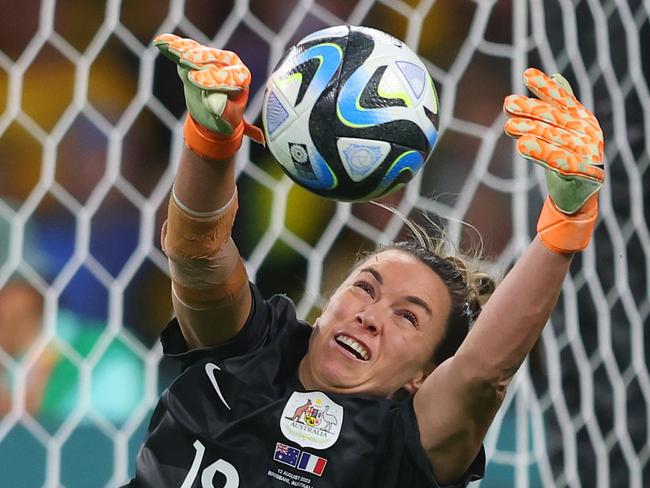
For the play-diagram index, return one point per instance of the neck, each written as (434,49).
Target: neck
(305,375)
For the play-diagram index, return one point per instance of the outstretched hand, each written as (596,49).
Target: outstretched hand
(216,84)
(556,131)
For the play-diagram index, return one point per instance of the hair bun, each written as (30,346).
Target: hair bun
(481,286)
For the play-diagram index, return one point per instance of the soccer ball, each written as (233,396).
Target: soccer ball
(350,113)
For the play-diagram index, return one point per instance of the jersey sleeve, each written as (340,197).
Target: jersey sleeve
(266,319)
(404,460)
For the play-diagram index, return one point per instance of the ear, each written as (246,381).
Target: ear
(416,383)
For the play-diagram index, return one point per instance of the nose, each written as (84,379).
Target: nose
(370,318)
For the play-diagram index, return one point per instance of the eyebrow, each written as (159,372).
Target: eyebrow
(375,273)
(410,298)
(420,302)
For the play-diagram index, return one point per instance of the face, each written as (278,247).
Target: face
(379,330)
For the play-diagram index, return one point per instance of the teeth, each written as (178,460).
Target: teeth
(354,345)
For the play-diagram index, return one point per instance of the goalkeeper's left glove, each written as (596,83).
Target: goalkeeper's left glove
(559,133)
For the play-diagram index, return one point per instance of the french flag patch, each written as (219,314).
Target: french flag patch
(312,464)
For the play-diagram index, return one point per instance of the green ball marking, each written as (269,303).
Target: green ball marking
(401,95)
(436,103)
(380,191)
(283,82)
(335,183)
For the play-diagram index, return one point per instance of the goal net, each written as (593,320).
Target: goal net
(90,134)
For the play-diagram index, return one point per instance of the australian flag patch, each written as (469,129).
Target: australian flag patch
(286,454)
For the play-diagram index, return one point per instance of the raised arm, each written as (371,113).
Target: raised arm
(210,290)
(458,401)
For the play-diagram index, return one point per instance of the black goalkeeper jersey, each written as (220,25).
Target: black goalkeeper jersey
(237,416)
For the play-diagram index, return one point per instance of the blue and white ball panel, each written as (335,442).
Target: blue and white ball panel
(330,57)
(415,76)
(280,107)
(408,161)
(326,178)
(361,157)
(275,114)
(289,87)
(405,78)
(296,152)
(393,85)
(353,115)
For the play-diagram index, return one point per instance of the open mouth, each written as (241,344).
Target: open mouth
(352,346)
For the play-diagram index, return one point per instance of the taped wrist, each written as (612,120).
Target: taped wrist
(209,144)
(205,266)
(563,233)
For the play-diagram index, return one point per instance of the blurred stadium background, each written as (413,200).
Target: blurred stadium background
(90,128)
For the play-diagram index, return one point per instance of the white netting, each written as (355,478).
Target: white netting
(89,137)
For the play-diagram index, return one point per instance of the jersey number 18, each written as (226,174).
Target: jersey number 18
(207,476)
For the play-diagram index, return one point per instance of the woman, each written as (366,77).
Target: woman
(264,399)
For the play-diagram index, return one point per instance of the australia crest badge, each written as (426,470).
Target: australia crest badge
(312,419)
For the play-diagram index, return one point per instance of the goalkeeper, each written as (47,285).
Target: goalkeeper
(397,382)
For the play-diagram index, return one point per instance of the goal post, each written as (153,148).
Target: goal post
(90,135)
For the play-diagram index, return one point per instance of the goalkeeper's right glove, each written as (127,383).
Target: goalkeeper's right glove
(216,85)
(557,132)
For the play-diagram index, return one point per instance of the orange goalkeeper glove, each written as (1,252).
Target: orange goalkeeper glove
(557,132)
(216,85)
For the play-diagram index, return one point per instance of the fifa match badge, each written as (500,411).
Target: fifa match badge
(312,420)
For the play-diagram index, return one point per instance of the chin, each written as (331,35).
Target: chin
(338,377)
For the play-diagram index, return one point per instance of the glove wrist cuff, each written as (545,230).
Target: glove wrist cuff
(565,234)
(209,144)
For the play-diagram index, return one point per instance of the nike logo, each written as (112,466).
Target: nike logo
(209,370)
